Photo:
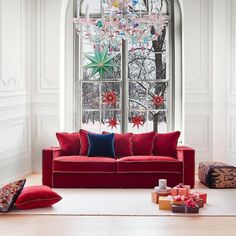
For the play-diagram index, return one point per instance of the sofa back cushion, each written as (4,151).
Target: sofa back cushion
(69,143)
(165,144)
(123,144)
(101,145)
(84,142)
(143,143)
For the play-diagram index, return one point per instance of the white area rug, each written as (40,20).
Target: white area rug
(129,202)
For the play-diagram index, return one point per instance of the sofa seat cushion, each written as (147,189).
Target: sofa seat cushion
(138,164)
(84,164)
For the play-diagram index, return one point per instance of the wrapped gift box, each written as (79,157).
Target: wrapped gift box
(165,203)
(156,195)
(201,195)
(178,200)
(183,190)
(195,197)
(191,206)
(178,208)
(192,209)
(200,202)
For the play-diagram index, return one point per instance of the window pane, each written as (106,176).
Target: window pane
(138,95)
(111,95)
(88,101)
(95,68)
(91,121)
(111,121)
(157,95)
(137,122)
(157,121)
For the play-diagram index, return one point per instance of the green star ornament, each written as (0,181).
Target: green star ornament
(101,62)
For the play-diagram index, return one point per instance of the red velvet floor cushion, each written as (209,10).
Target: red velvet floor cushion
(84,164)
(149,164)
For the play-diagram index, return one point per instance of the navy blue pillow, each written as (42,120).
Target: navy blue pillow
(101,145)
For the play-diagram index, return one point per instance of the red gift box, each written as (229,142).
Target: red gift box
(191,206)
(202,196)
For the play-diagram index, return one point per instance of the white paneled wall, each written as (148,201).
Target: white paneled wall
(231,88)
(45,86)
(15,126)
(30,70)
(197,26)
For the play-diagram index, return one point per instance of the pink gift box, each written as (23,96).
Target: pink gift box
(182,190)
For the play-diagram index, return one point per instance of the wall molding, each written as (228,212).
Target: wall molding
(41,120)
(232,51)
(202,132)
(232,141)
(22,123)
(203,84)
(46,84)
(11,85)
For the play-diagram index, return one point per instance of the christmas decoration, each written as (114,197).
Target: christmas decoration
(112,123)
(129,20)
(158,100)
(137,121)
(101,62)
(110,98)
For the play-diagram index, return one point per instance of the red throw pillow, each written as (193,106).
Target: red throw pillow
(165,144)
(143,143)
(84,142)
(123,144)
(69,143)
(37,197)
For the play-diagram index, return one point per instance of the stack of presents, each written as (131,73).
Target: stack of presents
(178,199)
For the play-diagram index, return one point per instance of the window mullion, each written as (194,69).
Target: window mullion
(125,87)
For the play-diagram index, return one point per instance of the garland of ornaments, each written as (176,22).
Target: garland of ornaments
(128,20)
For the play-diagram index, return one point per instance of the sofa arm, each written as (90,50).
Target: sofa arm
(187,156)
(48,155)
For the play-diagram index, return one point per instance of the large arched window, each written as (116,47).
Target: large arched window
(138,89)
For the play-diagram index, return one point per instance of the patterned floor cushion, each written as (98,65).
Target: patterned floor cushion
(217,174)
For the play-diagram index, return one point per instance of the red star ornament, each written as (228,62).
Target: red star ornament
(137,121)
(110,98)
(157,100)
(112,123)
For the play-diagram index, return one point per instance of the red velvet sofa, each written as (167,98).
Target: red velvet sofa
(166,160)
(60,171)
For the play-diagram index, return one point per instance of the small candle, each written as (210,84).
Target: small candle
(162,183)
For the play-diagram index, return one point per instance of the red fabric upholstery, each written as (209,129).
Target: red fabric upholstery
(69,143)
(122,173)
(123,144)
(84,142)
(187,156)
(165,144)
(47,162)
(37,197)
(148,164)
(114,180)
(143,143)
(84,164)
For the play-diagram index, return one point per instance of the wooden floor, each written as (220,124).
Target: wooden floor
(116,226)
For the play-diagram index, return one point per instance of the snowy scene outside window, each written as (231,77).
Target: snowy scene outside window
(148,83)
